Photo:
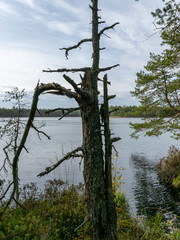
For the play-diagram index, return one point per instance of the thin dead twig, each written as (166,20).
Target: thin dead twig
(107,28)
(40,132)
(66,157)
(75,46)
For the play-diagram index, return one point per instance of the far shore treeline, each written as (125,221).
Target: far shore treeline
(121,111)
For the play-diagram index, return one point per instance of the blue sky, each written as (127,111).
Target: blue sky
(32,31)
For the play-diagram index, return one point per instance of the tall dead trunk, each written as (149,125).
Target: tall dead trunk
(99,201)
(99,206)
(108,163)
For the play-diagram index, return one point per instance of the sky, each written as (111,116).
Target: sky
(32,31)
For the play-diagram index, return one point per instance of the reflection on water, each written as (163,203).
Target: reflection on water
(150,194)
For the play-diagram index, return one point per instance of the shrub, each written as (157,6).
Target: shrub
(54,214)
(169,166)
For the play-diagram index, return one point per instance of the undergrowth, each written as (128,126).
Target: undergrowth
(169,169)
(58,212)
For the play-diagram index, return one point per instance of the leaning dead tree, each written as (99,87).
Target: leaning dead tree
(96,153)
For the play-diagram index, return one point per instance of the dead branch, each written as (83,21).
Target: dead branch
(77,156)
(55,88)
(26,149)
(38,111)
(7,156)
(106,35)
(69,111)
(75,46)
(66,157)
(68,70)
(103,81)
(21,146)
(40,132)
(18,203)
(74,85)
(107,28)
(6,191)
(115,139)
(85,220)
(100,22)
(61,70)
(38,90)
(114,110)
(61,109)
(108,68)
(111,97)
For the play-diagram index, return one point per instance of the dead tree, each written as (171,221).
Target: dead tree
(97,165)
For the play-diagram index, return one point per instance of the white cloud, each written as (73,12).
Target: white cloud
(34,6)
(64,27)
(5,8)
(61,23)
(69,7)
(29,3)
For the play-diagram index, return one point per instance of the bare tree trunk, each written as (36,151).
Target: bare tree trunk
(99,204)
(98,184)
(108,165)
(93,163)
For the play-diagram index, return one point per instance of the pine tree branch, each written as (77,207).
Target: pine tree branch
(66,157)
(75,46)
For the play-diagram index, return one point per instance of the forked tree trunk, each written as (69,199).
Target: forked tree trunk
(98,198)
(100,206)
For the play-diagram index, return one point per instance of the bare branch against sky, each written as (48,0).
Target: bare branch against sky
(32,32)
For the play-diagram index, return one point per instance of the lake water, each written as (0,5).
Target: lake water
(139,158)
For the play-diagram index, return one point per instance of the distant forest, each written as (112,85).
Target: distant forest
(121,111)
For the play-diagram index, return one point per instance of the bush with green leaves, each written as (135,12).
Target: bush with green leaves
(54,214)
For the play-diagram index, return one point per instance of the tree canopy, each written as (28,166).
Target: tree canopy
(159,84)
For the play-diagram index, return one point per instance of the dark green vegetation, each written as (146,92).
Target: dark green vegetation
(58,213)
(169,169)
(13,112)
(122,111)
(159,85)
